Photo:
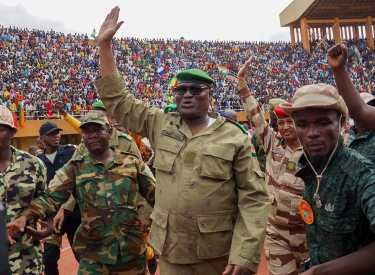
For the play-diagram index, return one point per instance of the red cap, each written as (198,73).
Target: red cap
(279,112)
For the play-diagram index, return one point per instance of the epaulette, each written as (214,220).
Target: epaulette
(126,136)
(238,125)
(172,107)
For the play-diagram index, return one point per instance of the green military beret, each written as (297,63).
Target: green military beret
(98,106)
(94,117)
(194,75)
(275,102)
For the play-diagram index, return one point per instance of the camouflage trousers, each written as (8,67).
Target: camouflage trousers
(137,266)
(285,250)
(208,267)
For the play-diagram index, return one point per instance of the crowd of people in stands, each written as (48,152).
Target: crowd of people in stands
(39,68)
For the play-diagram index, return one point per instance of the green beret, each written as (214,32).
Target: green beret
(98,106)
(194,75)
(272,103)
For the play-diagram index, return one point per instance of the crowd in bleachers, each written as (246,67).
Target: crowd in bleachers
(39,68)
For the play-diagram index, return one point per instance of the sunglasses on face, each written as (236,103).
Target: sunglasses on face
(194,90)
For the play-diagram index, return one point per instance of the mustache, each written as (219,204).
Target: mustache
(314,143)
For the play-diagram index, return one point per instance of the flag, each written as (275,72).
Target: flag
(138,59)
(222,69)
(356,52)
(93,34)
(161,70)
(170,50)
(22,115)
(173,82)
(15,119)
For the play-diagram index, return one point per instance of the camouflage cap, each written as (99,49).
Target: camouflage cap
(6,117)
(194,75)
(94,117)
(98,106)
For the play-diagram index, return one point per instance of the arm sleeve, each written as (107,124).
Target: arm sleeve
(258,123)
(136,115)
(75,123)
(50,201)
(253,203)
(146,182)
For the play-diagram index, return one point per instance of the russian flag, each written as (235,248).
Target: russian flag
(161,70)
(296,81)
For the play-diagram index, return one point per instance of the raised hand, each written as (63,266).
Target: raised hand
(242,72)
(337,56)
(109,26)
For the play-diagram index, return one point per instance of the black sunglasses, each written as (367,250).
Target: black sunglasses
(194,90)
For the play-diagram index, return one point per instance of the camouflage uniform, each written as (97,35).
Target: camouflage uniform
(285,242)
(124,143)
(346,220)
(204,183)
(107,199)
(261,155)
(23,180)
(365,144)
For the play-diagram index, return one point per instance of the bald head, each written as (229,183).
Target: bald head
(232,114)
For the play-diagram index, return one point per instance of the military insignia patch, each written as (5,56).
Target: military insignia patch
(291,165)
(306,212)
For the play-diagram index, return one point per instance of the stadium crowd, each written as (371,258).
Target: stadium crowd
(39,68)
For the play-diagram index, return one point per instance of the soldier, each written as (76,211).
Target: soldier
(338,203)
(360,138)
(22,178)
(206,174)
(285,242)
(54,157)
(119,140)
(358,110)
(104,182)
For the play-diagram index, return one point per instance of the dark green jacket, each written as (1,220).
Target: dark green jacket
(346,221)
(364,144)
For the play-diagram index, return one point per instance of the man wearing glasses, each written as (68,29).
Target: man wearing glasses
(211,202)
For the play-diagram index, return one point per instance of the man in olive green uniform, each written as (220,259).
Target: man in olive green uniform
(338,203)
(105,182)
(211,203)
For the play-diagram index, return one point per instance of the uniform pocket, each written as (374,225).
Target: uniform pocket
(215,235)
(165,157)
(217,162)
(158,232)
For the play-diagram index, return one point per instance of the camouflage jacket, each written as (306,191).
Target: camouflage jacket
(124,143)
(284,188)
(346,220)
(204,183)
(24,179)
(365,144)
(107,199)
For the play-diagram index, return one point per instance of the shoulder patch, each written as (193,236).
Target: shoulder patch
(126,136)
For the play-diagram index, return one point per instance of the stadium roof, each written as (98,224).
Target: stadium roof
(326,9)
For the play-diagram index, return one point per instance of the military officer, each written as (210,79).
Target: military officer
(104,182)
(338,204)
(205,171)
(285,242)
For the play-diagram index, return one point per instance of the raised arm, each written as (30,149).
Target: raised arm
(254,114)
(358,110)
